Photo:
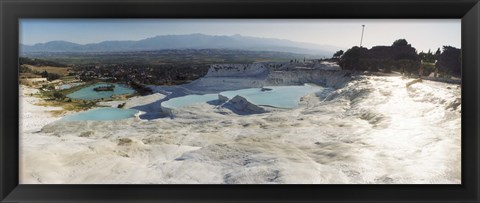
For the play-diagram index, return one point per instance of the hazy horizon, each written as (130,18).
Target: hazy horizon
(423,34)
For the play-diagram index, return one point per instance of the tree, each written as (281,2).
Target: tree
(351,58)
(49,76)
(52,76)
(450,61)
(427,57)
(437,53)
(400,43)
(338,54)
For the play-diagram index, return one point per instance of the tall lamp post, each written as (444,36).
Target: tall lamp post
(361,39)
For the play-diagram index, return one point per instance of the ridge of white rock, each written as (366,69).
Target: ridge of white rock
(224,77)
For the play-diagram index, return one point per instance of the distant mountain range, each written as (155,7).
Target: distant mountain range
(191,41)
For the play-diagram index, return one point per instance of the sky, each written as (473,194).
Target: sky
(423,34)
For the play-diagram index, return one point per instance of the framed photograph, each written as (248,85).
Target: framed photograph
(351,101)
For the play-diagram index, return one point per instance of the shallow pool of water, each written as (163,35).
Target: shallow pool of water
(275,96)
(179,102)
(87,93)
(102,114)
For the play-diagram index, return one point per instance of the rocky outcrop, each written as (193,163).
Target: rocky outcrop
(325,78)
(241,104)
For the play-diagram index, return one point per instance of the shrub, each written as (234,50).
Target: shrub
(427,68)
(338,54)
(24,69)
(58,95)
(408,66)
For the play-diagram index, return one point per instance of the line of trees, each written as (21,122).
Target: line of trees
(39,62)
(401,57)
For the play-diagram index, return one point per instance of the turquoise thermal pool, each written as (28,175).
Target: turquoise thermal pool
(102,114)
(87,93)
(274,96)
(179,102)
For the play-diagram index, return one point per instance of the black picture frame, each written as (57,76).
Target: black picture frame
(12,10)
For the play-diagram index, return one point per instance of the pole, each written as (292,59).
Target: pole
(361,39)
